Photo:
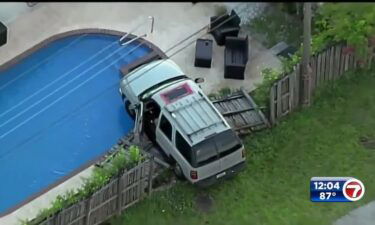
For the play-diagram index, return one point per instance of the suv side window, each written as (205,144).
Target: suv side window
(166,127)
(183,147)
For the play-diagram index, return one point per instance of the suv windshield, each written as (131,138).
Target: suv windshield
(215,147)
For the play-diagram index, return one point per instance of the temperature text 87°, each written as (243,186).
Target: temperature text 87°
(326,195)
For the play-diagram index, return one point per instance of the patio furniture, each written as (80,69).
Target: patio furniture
(235,57)
(288,52)
(283,49)
(3,34)
(203,53)
(229,28)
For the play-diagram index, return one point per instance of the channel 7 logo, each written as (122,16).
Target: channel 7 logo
(336,189)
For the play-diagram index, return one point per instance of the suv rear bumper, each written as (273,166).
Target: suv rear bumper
(230,172)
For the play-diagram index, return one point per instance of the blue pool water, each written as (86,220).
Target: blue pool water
(59,109)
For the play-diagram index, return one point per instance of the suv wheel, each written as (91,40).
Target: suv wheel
(178,171)
(131,112)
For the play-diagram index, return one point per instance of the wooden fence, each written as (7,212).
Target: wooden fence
(241,112)
(327,66)
(122,192)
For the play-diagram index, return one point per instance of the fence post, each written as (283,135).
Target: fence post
(306,69)
(88,210)
(119,191)
(306,87)
(150,175)
(371,56)
(272,104)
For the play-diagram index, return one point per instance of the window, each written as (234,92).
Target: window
(183,147)
(166,127)
(205,152)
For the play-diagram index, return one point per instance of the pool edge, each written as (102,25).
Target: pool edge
(55,37)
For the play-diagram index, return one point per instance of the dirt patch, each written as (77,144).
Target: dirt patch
(204,203)
(164,180)
(368,143)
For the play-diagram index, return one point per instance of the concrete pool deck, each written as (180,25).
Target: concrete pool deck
(33,27)
(48,19)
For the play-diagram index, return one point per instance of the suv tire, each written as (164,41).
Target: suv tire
(178,171)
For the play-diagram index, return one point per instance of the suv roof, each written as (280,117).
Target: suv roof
(190,111)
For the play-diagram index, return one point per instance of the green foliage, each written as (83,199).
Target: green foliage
(212,96)
(352,23)
(262,93)
(135,154)
(101,176)
(291,8)
(289,63)
(225,91)
(274,26)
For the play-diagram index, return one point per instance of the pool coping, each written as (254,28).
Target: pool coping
(156,53)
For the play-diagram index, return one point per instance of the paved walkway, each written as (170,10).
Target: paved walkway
(173,22)
(364,215)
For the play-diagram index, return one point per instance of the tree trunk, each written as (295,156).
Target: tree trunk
(305,93)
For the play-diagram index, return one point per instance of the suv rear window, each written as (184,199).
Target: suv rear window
(215,147)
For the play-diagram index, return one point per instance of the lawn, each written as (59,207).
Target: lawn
(322,140)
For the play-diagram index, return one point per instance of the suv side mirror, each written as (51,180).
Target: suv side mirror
(199,80)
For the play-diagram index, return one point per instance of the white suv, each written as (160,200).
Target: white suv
(176,115)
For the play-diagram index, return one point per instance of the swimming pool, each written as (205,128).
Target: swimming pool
(60,109)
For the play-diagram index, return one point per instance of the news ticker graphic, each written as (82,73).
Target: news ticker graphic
(336,189)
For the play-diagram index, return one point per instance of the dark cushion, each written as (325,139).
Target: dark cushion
(203,53)
(3,34)
(220,34)
(217,20)
(222,26)
(235,57)
(236,20)
(237,49)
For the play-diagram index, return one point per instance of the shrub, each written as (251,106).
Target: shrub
(225,91)
(101,176)
(351,23)
(262,92)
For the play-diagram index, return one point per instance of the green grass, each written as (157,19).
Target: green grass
(274,26)
(274,189)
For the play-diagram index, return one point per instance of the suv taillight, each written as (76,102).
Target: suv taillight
(243,153)
(193,174)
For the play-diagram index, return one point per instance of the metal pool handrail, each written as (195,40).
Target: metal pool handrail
(136,28)
(134,39)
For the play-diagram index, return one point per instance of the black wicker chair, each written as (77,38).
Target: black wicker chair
(229,28)
(235,57)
